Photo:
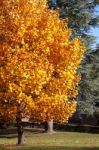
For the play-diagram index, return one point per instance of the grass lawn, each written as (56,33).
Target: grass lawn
(56,141)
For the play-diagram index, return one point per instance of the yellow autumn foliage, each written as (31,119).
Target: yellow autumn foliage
(38,62)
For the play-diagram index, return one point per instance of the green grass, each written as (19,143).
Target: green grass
(56,141)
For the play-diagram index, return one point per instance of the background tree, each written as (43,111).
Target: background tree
(80,14)
(89,96)
(36,57)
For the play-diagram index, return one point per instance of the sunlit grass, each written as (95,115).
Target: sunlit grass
(56,141)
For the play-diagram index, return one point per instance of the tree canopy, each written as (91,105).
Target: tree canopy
(38,63)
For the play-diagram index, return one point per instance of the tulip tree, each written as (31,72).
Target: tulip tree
(38,64)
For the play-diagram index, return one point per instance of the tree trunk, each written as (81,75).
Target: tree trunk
(45,126)
(20,131)
(50,126)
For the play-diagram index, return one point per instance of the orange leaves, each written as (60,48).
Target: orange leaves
(54,107)
(38,62)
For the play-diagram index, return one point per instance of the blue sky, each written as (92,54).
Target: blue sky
(95,31)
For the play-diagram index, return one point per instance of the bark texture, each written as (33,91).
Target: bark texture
(50,126)
(20,130)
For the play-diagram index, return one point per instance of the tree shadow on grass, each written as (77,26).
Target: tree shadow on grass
(63,148)
(47,148)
